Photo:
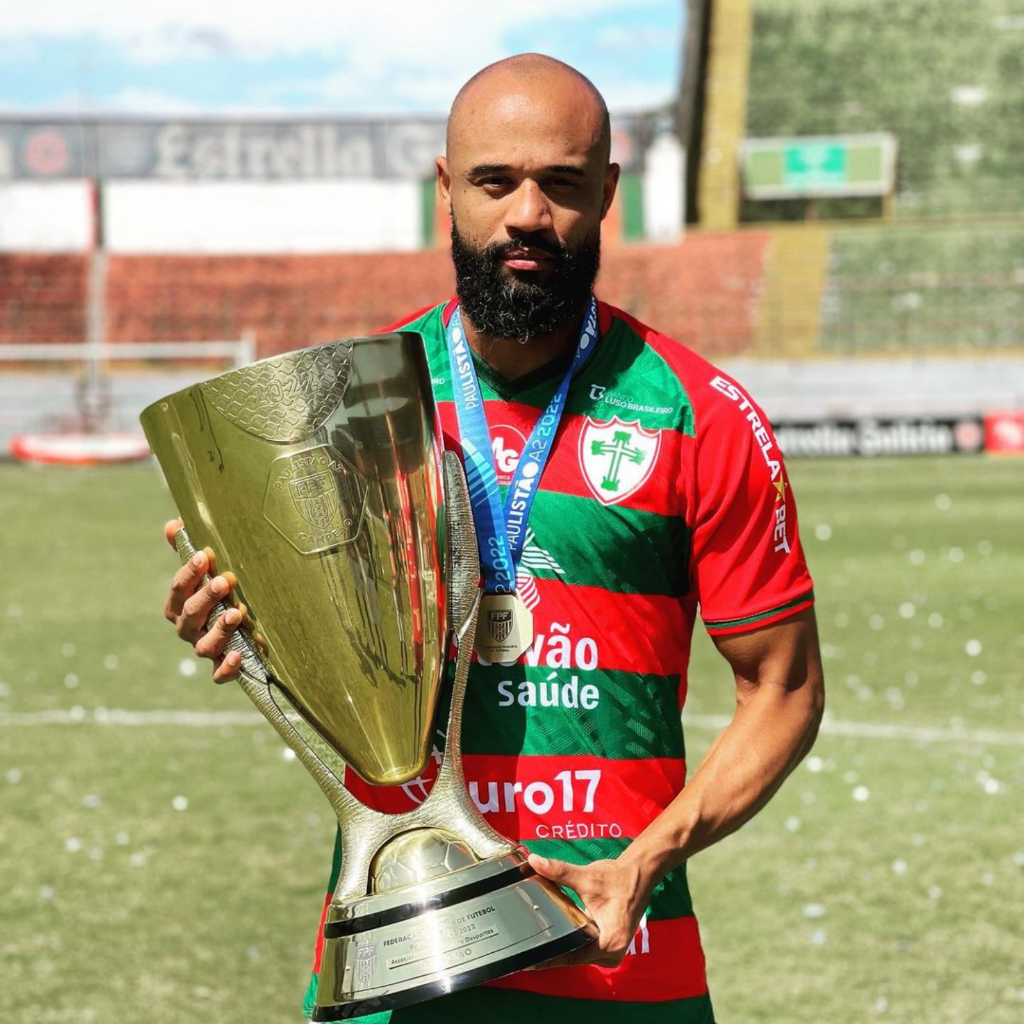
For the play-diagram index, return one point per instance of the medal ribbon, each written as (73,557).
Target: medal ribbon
(501,531)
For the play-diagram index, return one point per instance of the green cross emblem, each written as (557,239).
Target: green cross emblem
(618,448)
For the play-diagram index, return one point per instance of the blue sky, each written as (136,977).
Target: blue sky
(226,56)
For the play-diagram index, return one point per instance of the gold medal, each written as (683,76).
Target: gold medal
(504,628)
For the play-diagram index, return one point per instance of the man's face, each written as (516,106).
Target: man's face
(528,183)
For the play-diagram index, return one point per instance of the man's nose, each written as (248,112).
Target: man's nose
(528,209)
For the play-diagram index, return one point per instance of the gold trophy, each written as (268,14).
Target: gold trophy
(318,479)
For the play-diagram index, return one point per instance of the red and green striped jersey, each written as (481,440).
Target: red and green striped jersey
(664,493)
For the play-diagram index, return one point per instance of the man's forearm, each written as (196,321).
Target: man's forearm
(771,731)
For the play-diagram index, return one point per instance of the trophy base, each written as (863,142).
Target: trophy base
(466,927)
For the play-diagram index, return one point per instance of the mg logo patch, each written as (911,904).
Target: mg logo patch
(507,443)
(617,458)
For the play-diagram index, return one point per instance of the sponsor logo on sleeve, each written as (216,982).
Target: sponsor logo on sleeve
(769,452)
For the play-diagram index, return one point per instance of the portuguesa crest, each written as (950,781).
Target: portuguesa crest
(617,457)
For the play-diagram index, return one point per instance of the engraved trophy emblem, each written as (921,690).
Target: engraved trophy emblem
(319,480)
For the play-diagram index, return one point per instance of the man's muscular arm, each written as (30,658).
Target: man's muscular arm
(780,697)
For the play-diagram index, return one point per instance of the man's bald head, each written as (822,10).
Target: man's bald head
(527,181)
(525,79)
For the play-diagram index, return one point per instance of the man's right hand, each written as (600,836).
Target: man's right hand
(189,605)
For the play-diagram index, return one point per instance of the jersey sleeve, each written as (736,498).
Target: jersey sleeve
(747,564)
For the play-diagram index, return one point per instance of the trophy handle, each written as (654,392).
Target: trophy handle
(255,680)
(464,594)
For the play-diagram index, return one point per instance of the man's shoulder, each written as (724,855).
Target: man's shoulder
(700,379)
(435,314)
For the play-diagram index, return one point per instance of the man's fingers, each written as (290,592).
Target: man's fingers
(226,668)
(184,584)
(211,644)
(557,870)
(197,608)
(171,527)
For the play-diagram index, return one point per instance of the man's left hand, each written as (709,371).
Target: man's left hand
(614,893)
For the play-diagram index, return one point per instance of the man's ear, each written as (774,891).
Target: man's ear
(611,181)
(444,184)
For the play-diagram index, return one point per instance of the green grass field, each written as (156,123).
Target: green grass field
(170,874)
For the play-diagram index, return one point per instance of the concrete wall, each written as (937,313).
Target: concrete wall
(257,217)
(45,216)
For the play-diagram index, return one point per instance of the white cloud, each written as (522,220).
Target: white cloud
(371,34)
(387,57)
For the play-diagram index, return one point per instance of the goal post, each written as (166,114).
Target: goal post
(80,402)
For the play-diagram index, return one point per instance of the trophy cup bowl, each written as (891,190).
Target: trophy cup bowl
(318,479)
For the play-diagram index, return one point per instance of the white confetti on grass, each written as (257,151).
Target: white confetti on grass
(47,892)
(91,800)
(916,557)
(972,648)
(71,680)
(823,531)
(180,803)
(935,620)
(908,610)
(792,823)
(814,910)
(819,937)
(815,764)
(111,661)
(14,776)
(899,866)
(943,502)
(122,839)
(187,667)
(287,754)
(861,794)
(73,844)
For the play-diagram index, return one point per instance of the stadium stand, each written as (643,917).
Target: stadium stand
(950,288)
(944,274)
(945,78)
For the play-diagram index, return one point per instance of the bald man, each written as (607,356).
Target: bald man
(651,486)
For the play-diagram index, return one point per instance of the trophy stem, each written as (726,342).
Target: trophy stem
(451,781)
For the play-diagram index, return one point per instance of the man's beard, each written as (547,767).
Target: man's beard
(521,305)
